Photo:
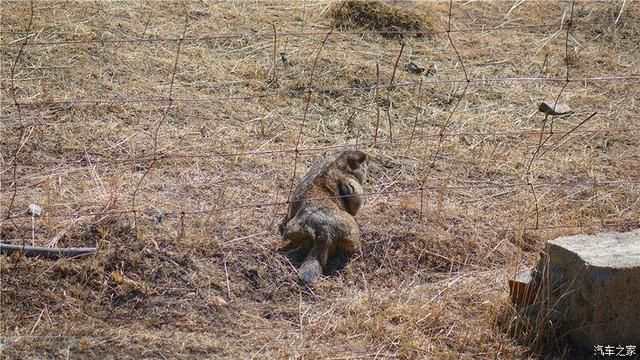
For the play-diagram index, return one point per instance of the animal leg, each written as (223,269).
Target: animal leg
(296,235)
(350,240)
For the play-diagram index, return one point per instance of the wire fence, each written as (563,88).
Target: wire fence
(16,109)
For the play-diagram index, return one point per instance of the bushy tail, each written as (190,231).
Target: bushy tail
(311,268)
(309,271)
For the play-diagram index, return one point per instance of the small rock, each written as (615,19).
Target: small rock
(547,107)
(523,288)
(217,301)
(283,58)
(414,68)
(159,218)
(34,210)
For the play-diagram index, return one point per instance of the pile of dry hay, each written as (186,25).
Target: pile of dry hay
(391,21)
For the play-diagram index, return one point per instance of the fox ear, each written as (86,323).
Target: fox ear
(355,158)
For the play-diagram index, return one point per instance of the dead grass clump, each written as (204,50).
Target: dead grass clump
(378,16)
(538,334)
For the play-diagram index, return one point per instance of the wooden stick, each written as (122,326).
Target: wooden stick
(52,253)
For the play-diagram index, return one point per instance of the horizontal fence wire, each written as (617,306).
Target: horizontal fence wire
(477,186)
(72,102)
(266,34)
(93,158)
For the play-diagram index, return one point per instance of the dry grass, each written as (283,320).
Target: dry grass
(211,284)
(390,20)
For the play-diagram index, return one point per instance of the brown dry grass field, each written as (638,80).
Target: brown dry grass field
(118,120)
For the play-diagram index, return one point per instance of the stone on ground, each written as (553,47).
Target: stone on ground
(591,286)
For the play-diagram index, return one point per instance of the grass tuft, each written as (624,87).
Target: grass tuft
(391,20)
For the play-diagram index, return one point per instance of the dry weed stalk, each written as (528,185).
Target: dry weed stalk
(160,122)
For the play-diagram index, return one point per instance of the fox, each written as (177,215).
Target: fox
(320,218)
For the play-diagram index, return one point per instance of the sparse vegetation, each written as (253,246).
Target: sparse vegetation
(431,280)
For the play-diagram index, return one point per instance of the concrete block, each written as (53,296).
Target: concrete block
(591,287)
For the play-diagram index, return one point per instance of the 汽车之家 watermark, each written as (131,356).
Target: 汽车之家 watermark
(610,350)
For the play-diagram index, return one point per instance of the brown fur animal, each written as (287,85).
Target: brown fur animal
(320,217)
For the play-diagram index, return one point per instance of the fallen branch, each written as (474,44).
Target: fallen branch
(52,253)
